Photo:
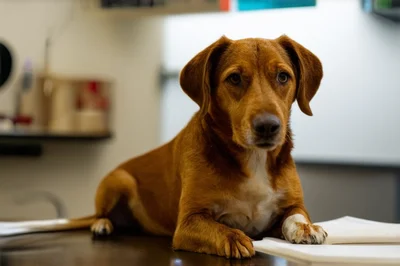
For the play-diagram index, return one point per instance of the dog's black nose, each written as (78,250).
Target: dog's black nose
(266,125)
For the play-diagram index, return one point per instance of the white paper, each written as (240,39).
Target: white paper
(348,230)
(17,228)
(350,241)
(345,254)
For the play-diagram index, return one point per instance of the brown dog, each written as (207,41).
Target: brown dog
(228,177)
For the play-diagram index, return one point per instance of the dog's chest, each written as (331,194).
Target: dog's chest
(253,207)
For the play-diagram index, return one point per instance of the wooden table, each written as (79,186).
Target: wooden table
(78,248)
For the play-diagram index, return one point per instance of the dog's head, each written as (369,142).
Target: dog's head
(249,86)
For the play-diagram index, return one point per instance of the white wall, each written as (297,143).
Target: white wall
(355,111)
(332,192)
(129,52)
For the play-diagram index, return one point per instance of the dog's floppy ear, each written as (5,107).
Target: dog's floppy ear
(195,77)
(308,72)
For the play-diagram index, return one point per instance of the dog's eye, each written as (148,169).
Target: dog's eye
(235,79)
(282,77)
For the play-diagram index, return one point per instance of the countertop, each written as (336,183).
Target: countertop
(79,248)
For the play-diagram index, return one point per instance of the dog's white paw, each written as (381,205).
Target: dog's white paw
(297,230)
(102,227)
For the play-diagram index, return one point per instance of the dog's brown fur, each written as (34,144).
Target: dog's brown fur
(201,188)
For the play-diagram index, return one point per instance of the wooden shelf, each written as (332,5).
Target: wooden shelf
(167,9)
(53,136)
(31,144)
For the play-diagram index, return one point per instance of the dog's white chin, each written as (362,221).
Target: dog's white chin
(266,148)
(249,142)
(253,146)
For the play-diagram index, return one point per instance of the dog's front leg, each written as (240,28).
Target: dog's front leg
(297,227)
(199,232)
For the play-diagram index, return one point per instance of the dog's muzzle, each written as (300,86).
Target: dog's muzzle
(265,129)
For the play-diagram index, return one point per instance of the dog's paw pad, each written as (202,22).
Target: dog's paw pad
(297,230)
(102,227)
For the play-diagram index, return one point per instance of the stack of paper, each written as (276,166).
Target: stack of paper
(25,227)
(351,241)
(349,230)
(12,233)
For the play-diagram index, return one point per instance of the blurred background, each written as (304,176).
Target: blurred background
(87,84)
